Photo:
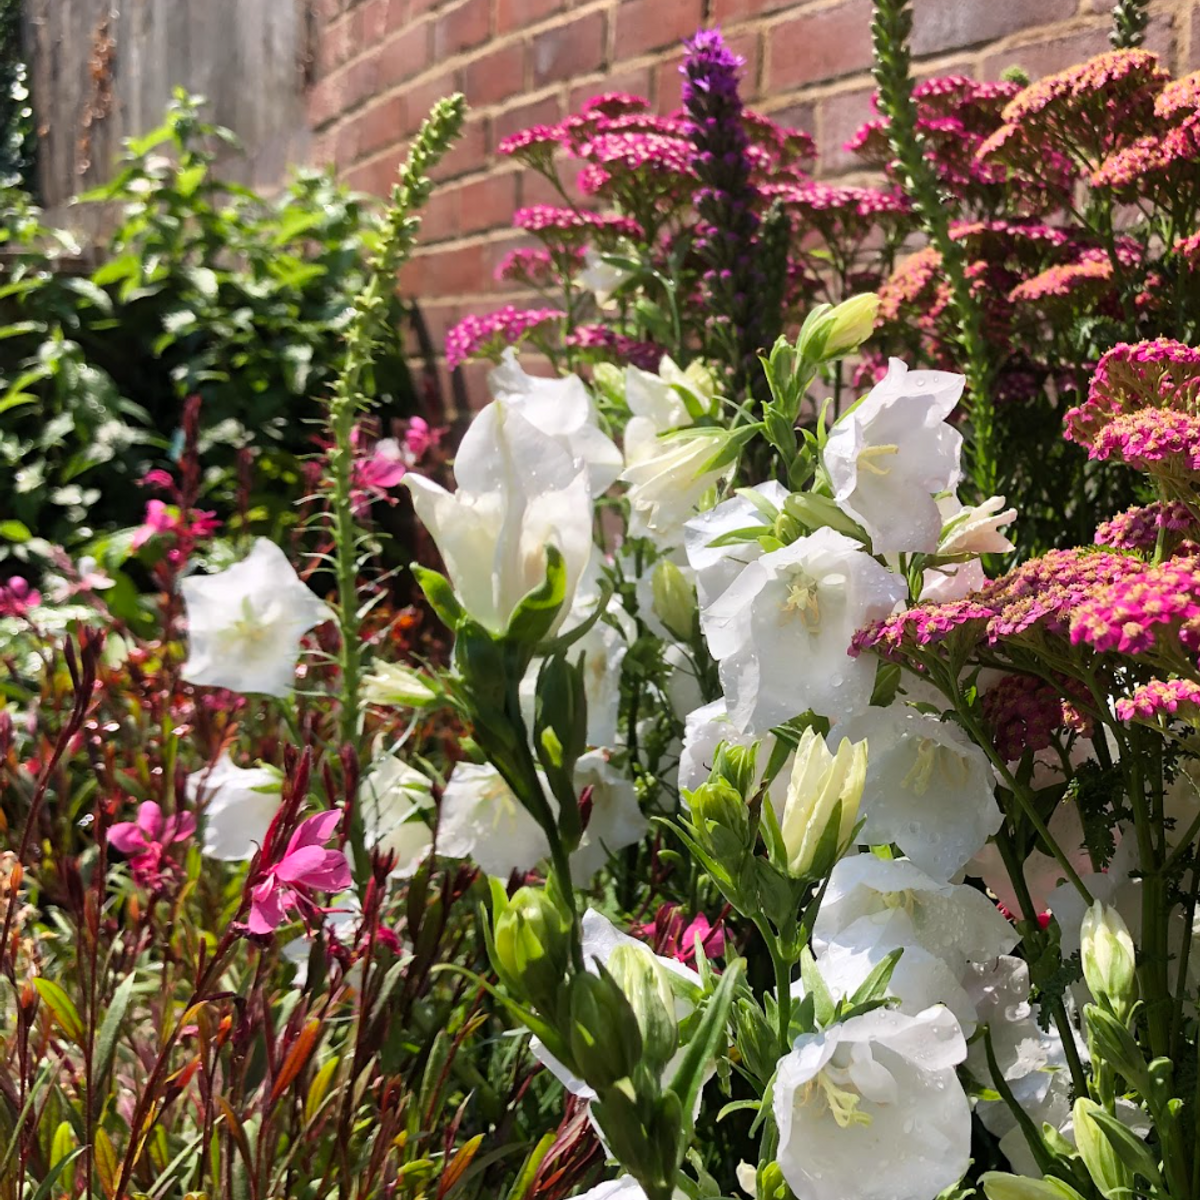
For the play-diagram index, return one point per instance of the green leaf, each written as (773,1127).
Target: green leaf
(534,616)
(60,1165)
(440,595)
(708,1039)
(814,986)
(875,986)
(63,1008)
(110,1028)
(1130,1149)
(14,531)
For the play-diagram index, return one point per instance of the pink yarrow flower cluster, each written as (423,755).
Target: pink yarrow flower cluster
(1127,615)
(1161,698)
(574,224)
(1140,527)
(304,867)
(488,335)
(147,840)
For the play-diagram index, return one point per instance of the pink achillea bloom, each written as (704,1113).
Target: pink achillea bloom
(306,866)
(487,336)
(1124,616)
(146,840)
(574,224)
(1161,698)
(1139,528)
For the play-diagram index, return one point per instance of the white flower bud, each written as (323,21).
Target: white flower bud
(1109,959)
(823,788)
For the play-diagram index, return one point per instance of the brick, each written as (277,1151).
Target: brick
(497,75)
(955,24)
(820,45)
(724,11)
(838,118)
(488,203)
(646,25)
(405,55)
(537,189)
(333,46)
(468,154)
(1056,54)
(796,116)
(569,50)
(513,119)
(461,28)
(441,216)
(668,84)
(362,79)
(369,23)
(326,99)
(635,82)
(380,125)
(375,177)
(451,271)
(520,14)
(420,97)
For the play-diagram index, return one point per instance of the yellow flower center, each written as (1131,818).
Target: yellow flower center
(931,757)
(867,456)
(802,601)
(842,1103)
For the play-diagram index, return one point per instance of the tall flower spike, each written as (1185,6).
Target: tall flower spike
(726,199)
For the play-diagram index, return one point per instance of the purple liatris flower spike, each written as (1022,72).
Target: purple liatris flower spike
(726,198)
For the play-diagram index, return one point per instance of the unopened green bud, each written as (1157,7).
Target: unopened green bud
(392,685)
(850,324)
(605,1040)
(735,764)
(998,1185)
(1099,1155)
(674,599)
(720,818)
(532,940)
(644,981)
(1109,960)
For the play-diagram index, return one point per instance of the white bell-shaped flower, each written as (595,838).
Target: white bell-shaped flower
(482,819)
(239,804)
(872,1109)
(519,491)
(616,821)
(562,409)
(394,798)
(891,454)
(716,567)
(957,923)
(974,528)
(666,479)
(245,623)
(782,630)
(928,788)
(919,979)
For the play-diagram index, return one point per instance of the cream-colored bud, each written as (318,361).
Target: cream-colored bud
(823,788)
(1109,958)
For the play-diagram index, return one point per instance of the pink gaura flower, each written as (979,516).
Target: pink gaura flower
(146,840)
(306,866)
(669,934)
(161,519)
(17,597)
(376,473)
(420,437)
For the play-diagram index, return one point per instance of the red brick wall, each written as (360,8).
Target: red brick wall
(382,63)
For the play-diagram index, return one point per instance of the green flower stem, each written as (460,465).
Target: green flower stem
(396,241)
(890,31)
(1130,18)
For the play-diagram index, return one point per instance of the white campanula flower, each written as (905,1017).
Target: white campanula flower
(239,804)
(974,529)
(951,581)
(716,567)
(956,922)
(666,479)
(890,455)
(782,630)
(602,279)
(929,788)
(519,490)
(245,623)
(704,729)
(872,1108)
(616,821)
(657,401)
(919,978)
(394,798)
(482,819)
(1032,1062)
(561,408)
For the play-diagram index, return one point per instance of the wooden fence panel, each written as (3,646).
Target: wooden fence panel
(104,70)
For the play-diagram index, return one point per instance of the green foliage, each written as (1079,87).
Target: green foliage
(204,287)
(18,145)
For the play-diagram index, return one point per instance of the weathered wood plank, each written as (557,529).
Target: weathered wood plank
(102,71)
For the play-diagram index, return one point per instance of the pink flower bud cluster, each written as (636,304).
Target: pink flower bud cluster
(1140,527)
(532,265)
(489,335)
(1025,713)
(574,225)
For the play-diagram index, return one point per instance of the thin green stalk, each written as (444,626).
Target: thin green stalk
(365,328)
(890,30)
(1130,18)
